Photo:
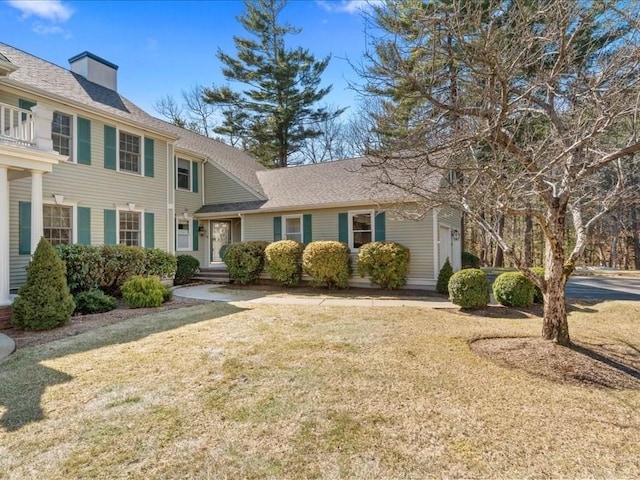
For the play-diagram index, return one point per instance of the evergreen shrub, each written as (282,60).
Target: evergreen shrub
(442,286)
(187,267)
(141,292)
(159,263)
(469,260)
(513,289)
(120,262)
(469,288)
(283,262)
(328,263)
(44,301)
(94,301)
(83,266)
(245,261)
(386,263)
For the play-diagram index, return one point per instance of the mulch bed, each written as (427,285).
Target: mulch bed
(83,323)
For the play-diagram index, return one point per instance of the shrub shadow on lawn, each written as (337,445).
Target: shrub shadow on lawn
(24,379)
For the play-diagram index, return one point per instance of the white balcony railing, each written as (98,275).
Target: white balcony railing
(17,125)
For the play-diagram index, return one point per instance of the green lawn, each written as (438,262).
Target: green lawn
(220,392)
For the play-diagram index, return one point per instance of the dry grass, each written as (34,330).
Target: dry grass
(216,391)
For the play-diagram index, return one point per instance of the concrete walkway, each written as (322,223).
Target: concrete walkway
(7,346)
(217,293)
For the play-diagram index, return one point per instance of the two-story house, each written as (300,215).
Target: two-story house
(80,163)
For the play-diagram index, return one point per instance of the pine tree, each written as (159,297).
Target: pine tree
(44,301)
(282,86)
(442,286)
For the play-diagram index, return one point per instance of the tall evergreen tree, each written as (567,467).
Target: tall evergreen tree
(277,107)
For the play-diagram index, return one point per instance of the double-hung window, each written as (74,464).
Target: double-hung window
(361,228)
(184,174)
(130,153)
(184,236)
(130,228)
(61,133)
(58,224)
(292,227)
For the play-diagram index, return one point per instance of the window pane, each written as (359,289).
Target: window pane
(129,153)
(361,227)
(61,133)
(57,223)
(184,235)
(360,238)
(129,228)
(184,174)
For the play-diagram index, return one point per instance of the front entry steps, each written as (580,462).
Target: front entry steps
(212,275)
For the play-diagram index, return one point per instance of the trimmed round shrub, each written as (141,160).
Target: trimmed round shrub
(513,289)
(283,262)
(44,301)
(83,266)
(386,263)
(141,292)
(94,301)
(327,263)
(159,263)
(469,260)
(245,261)
(120,262)
(469,288)
(537,293)
(187,267)
(442,286)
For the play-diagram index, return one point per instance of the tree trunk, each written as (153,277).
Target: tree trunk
(635,226)
(528,241)
(498,261)
(615,237)
(554,324)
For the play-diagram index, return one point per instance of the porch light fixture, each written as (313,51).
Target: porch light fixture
(201,229)
(456,235)
(185,214)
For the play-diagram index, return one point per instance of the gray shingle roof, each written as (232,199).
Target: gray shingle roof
(39,74)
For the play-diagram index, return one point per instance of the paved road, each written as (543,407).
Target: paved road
(600,288)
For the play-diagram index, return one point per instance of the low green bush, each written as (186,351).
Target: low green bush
(187,267)
(44,301)
(469,260)
(537,293)
(141,292)
(120,262)
(469,288)
(386,263)
(442,286)
(513,289)
(245,261)
(83,266)
(159,263)
(327,263)
(283,262)
(94,301)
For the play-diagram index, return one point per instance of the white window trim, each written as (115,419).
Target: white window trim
(284,226)
(129,209)
(191,162)
(74,135)
(141,137)
(74,216)
(190,220)
(373,226)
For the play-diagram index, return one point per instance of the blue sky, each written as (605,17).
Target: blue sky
(163,47)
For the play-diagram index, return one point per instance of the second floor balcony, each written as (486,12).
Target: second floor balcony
(17,126)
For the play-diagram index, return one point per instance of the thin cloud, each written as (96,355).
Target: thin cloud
(347,6)
(42,29)
(52,10)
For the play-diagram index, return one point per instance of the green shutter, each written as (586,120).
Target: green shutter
(148,157)
(84,141)
(110,227)
(24,228)
(84,225)
(109,147)
(149,234)
(381,228)
(195,166)
(277,229)
(25,105)
(343,227)
(306,228)
(195,234)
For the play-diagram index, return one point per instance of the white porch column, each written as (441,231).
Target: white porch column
(42,117)
(5,299)
(37,228)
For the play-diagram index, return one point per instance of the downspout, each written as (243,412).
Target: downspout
(241,226)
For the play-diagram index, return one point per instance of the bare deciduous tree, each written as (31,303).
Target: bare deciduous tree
(540,86)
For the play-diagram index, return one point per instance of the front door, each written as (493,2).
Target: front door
(220,236)
(444,246)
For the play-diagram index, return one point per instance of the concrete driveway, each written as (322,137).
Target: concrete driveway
(604,288)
